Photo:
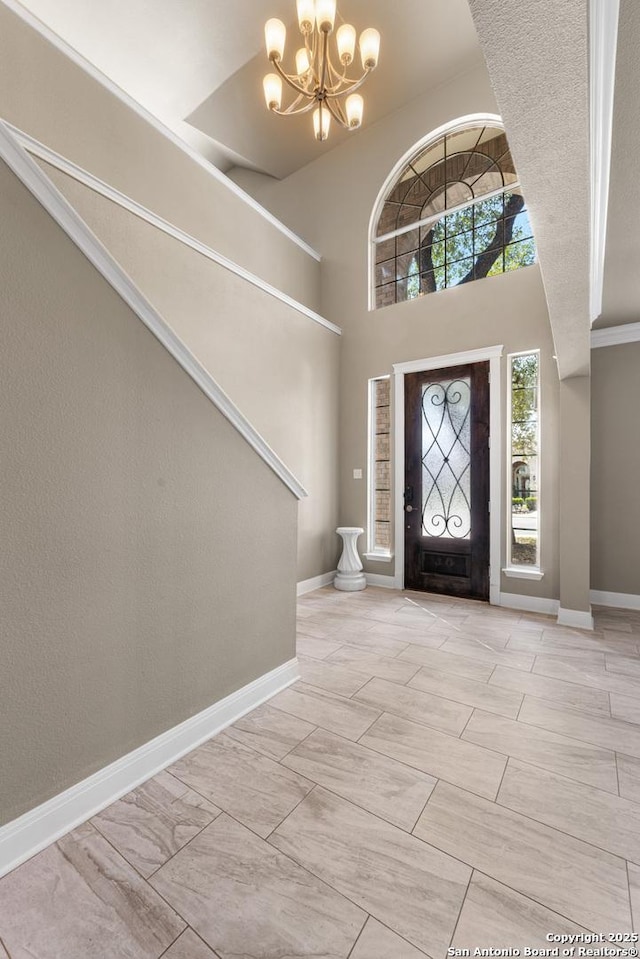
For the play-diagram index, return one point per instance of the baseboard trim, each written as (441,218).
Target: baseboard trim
(578,618)
(385,582)
(529,604)
(30,833)
(316,582)
(617,600)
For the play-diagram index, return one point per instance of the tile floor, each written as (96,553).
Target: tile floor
(445,773)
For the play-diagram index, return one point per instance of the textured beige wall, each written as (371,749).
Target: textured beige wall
(509,310)
(573,519)
(148,555)
(278,366)
(49,97)
(615,469)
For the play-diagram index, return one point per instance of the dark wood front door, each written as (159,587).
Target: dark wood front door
(446,497)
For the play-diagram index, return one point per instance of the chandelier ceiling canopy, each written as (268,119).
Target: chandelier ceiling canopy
(317,82)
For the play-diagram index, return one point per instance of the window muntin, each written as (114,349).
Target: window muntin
(454,214)
(379,476)
(524,460)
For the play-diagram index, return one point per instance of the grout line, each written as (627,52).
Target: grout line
(419,817)
(146,882)
(172,944)
(291,811)
(357,940)
(615,761)
(633,921)
(4,946)
(504,773)
(464,899)
(432,842)
(460,734)
(563,832)
(303,740)
(488,679)
(530,898)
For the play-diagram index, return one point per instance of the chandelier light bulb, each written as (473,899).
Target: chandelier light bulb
(320,78)
(275,34)
(369,48)
(272,91)
(325,15)
(302,62)
(355,109)
(321,117)
(346,41)
(306,15)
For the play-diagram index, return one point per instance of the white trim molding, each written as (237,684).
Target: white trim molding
(522,572)
(616,600)
(578,618)
(32,832)
(615,335)
(384,582)
(35,148)
(603,36)
(68,51)
(50,198)
(529,604)
(493,354)
(316,582)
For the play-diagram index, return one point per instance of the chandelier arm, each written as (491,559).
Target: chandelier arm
(336,112)
(353,85)
(294,110)
(334,75)
(285,76)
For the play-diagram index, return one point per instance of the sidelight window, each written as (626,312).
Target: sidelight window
(379,474)
(524,460)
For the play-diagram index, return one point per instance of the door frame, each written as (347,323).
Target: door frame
(494,355)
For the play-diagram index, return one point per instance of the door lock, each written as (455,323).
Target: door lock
(408,508)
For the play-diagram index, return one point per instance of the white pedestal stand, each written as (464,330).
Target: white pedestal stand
(350,576)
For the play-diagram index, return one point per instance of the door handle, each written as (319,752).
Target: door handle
(408,509)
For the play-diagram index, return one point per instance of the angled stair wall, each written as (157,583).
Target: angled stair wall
(51,93)
(148,555)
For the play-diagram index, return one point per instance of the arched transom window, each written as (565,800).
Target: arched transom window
(454,213)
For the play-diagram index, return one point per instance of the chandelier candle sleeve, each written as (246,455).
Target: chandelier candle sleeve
(320,82)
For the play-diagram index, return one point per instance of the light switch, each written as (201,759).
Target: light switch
(357,474)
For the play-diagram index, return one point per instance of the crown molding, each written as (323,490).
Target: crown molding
(603,35)
(72,54)
(50,198)
(615,335)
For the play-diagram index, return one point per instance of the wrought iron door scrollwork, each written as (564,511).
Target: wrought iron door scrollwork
(446,459)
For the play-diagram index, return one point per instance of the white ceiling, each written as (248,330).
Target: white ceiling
(204,60)
(197,65)
(423,44)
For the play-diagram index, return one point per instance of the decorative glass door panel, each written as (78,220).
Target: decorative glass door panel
(447,481)
(446,459)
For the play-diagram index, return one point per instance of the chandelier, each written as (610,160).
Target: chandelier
(317,82)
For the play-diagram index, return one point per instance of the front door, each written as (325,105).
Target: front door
(446,497)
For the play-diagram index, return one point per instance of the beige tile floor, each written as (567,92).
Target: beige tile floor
(443,774)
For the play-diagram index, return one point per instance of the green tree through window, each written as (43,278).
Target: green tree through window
(421,248)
